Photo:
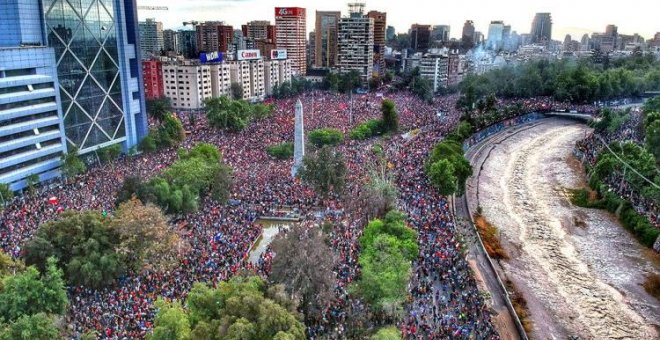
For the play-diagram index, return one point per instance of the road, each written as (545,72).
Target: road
(578,269)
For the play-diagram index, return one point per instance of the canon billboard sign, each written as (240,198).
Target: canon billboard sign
(289,11)
(277,54)
(248,54)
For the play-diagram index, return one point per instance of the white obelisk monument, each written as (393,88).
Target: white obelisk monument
(299,140)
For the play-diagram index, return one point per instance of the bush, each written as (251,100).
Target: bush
(198,171)
(321,137)
(5,194)
(148,144)
(652,285)
(109,153)
(368,129)
(280,151)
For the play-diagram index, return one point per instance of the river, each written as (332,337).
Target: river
(579,269)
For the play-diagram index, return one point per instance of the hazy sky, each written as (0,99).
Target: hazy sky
(574,17)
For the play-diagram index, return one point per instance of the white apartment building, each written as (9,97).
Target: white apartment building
(240,73)
(187,85)
(356,45)
(435,68)
(220,80)
(276,72)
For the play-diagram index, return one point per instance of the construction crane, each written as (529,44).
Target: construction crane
(153,8)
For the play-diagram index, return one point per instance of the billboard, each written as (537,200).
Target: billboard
(277,54)
(289,11)
(210,57)
(248,54)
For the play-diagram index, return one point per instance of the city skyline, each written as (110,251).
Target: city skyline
(574,18)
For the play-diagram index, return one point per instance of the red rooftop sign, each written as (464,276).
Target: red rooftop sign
(289,11)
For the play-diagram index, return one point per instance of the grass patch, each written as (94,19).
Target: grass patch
(488,233)
(519,305)
(652,285)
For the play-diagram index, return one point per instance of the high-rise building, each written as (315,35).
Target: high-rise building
(32,138)
(467,38)
(188,44)
(434,68)
(356,43)
(187,85)
(152,71)
(151,38)
(390,33)
(541,32)
(325,39)
(495,35)
(380,24)
(214,36)
(291,35)
(420,37)
(259,29)
(440,33)
(98,49)
(170,41)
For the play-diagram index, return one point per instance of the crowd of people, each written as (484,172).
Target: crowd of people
(444,300)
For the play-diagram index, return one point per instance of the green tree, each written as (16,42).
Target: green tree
(280,151)
(159,108)
(171,322)
(378,195)
(394,225)
(236,91)
(653,139)
(241,308)
(109,153)
(29,293)
(325,170)
(72,166)
(39,326)
(304,264)
(83,243)
(390,116)
(329,136)
(5,194)
(31,183)
(146,238)
(441,174)
(384,277)
(387,333)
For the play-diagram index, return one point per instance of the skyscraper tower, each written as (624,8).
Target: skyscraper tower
(291,35)
(97,47)
(151,38)
(31,126)
(541,29)
(467,38)
(325,39)
(380,25)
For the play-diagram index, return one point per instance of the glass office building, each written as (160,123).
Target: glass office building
(31,130)
(97,55)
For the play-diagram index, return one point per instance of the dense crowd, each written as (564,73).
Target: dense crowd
(444,301)
(594,144)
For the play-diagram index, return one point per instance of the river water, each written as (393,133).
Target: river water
(579,270)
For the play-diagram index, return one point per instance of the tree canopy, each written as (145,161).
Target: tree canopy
(241,308)
(233,114)
(325,170)
(304,264)
(29,293)
(388,248)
